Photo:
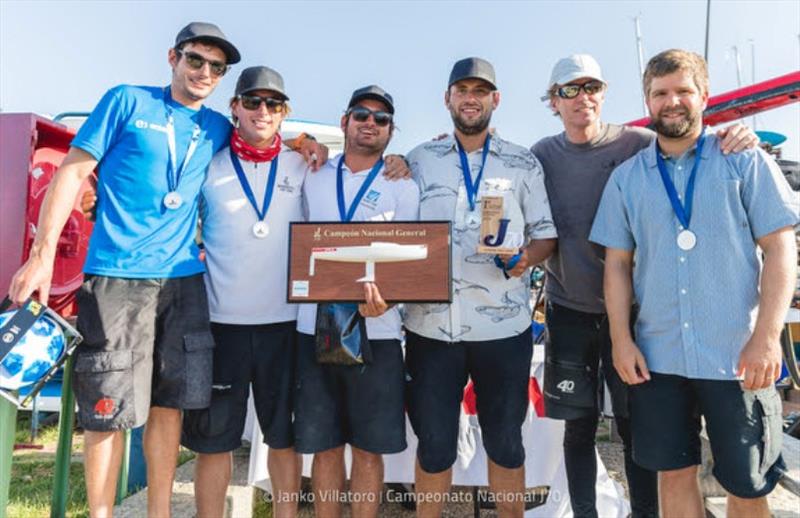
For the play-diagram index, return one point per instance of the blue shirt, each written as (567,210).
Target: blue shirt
(135,236)
(698,307)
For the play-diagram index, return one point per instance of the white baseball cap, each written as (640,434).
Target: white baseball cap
(574,67)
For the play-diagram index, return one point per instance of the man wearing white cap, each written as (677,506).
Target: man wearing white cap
(577,164)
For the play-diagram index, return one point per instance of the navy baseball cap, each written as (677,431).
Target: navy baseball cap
(472,68)
(208,32)
(372,92)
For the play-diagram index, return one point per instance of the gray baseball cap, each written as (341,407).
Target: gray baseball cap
(372,92)
(472,68)
(575,67)
(210,32)
(260,78)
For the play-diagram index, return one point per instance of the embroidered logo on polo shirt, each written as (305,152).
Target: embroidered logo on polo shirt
(286,186)
(371,199)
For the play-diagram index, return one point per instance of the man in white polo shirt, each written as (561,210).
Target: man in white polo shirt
(360,405)
(252,192)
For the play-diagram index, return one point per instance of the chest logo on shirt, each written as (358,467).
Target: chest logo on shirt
(371,199)
(285,186)
(142,124)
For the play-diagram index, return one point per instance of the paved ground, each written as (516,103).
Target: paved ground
(240,496)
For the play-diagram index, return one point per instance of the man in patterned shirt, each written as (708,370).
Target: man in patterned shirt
(485,333)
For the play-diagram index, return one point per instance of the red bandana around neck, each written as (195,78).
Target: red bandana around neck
(250,153)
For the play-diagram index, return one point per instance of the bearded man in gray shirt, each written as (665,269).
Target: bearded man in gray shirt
(577,164)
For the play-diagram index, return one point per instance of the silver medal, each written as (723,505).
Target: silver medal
(173,200)
(686,240)
(260,229)
(473,218)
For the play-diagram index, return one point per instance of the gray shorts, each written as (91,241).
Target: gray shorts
(146,343)
(744,430)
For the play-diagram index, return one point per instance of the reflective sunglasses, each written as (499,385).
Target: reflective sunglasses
(253,102)
(361,114)
(196,62)
(572,91)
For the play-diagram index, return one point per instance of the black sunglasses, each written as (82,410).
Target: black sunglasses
(572,91)
(253,102)
(361,114)
(196,62)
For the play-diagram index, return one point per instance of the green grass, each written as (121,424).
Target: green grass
(32,487)
(261,506)
(32,475)
(45,435)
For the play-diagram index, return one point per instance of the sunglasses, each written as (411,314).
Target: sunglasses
(253,102)
(572,91)
(361,114)
(196,62)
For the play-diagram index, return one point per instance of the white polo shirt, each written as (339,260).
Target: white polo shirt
(486,305)
(385,200)
(245,275)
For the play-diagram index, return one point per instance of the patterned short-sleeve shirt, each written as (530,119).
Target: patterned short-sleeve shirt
(486,305)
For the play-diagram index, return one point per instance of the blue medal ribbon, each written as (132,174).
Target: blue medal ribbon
(682,211)
(273,170)
(174,172)
(469,185)
(346,214)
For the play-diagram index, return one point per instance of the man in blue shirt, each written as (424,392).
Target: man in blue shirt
(142,307)
(710,317)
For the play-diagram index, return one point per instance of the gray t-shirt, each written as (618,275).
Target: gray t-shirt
(575,175)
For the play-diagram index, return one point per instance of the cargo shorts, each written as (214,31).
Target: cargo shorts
(146,342)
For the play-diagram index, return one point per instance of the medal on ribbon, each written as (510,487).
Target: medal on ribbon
(260,227)
(173,199)
(686,239)
(472,218)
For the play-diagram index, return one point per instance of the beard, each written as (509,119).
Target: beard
(355,143)
(471,127)
(677,129)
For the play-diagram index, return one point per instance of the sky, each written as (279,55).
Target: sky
(62,56)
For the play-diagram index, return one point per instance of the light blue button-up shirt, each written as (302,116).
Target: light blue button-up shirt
(698,307)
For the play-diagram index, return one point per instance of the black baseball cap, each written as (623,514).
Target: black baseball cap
(372,92)
(472,68)
(260,78)
(209,32)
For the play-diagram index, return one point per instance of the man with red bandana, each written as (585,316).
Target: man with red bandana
(251,194)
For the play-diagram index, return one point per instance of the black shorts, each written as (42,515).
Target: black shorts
(577,346)
(744,430)
(360,405)
(261,355)
(146,342)
(438,372)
